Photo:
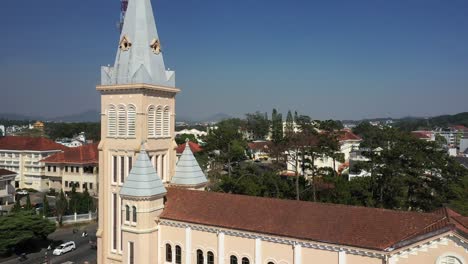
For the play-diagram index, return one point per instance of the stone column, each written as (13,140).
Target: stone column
(221,248)
(188,245)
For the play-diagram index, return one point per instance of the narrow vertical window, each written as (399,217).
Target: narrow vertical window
(122,121)
(178,255)
(233,260)
(210,257)
(163,168)
(245,261)
(199,257)
(127,213)
(166,122)
(131,253)
(130,164)
(111,121)
(134,209)
(168,253)
(114,221)
(151,121)
(159,121)
(114,168)
(131,120)
(122,169)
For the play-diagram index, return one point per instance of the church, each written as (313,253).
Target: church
(154,209)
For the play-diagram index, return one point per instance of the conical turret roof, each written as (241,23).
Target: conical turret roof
(188,172)
(139,57)
(143,180)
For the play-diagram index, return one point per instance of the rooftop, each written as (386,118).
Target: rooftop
(29,143)
(194,147)
(87,154)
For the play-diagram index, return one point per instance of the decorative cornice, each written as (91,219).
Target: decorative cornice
(142,86)
(138,231)
(274,239)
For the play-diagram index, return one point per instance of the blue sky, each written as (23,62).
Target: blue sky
(328,59)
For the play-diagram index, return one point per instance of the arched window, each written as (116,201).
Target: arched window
(449,260)
(111,121)
(210,257)
(131,120)
(166,121)
(121,121)
(134,214)
(233,260)
(271,262)
(178,255)
(168,253)
(159,121)
(245,261)
(151,124)
(127,213)
(199,257)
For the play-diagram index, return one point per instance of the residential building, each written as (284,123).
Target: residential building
(76,167)
(2,130)
(157,212)
(76,141)
(424,135)
(23,156)
(38,125)
(7,190)
(197,133)
(194,147)
(259,149)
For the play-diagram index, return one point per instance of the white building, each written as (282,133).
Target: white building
(197,133)
(7,191)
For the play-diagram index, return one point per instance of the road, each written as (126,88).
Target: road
(82,253)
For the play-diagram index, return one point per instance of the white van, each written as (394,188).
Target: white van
(64,248)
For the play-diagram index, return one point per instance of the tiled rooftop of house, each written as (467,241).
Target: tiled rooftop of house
(194,147)
(29,143)
(87,154)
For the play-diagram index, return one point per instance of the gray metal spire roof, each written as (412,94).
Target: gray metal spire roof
(142,181)
(137,60)
(188,172)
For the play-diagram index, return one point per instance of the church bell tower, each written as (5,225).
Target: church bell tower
(137,105)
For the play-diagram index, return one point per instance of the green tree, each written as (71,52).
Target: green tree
(257,124)
(276,127)
(17,206)
(28,203)
(22,227)
(289,126)
(61,205)
(181,139)
(46,208)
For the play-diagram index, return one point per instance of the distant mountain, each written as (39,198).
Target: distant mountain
(216,117)
(88,116)
(12,116)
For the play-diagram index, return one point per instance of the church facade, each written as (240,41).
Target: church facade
(152,210)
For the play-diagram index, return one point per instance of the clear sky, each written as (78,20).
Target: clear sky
(328,59)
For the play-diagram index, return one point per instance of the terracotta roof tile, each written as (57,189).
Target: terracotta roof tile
(87,154)
(259,145)
(29,143)
(194,147)
(348,135)
(363,227)
(4,172)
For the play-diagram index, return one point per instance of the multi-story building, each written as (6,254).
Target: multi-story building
(152,210)
(23,156)
(7,190)
(76,167)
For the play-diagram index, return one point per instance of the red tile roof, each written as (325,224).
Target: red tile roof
(193,146)
(87,154)
(422,134)
(348,135)
(259,145)
(362,227)
(4,172)
(29,143)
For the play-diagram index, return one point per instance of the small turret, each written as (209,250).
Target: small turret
(188,173)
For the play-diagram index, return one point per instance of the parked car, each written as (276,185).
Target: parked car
(64,248)
(22,192)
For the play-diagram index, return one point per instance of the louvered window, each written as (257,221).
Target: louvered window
(122,121)
(111,121)
(159,121)
(166,121)
(151,122)
(131,120)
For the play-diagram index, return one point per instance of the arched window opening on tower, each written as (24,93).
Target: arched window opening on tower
(159,121)
(168,253)
(271,262)
(233,260)
(245,261)
(151,121)
(449,260)
(127,213)
(199,257)
(122,121)
(134,211)
(166,121)
(178,255)
(111,121)
(210,257)
(131,120)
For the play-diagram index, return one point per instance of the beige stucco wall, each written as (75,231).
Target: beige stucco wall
(311,255)
(356,259)
(430,256)
(278,253)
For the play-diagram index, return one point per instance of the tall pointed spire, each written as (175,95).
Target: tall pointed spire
(139,57)
(142,181)
(188,173)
